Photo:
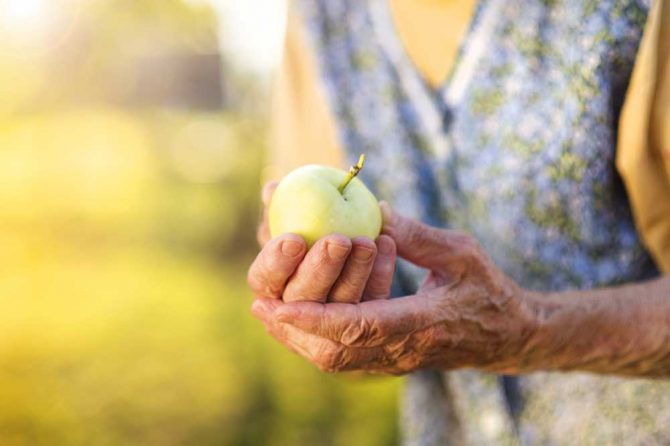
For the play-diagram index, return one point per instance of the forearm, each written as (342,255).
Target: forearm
(623,330)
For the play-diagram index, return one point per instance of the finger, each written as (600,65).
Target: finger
(308,345)
(381,277)
(278,333)
(275,264)
(350,285)
(263,233)
(264,308)
(368,324)
(319,270)
(326,354)
(432,248)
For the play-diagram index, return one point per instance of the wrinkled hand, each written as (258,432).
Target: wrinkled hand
(467,313)
(335,269)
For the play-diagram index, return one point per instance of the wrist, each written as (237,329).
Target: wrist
(608,330)
(533,334)
(526,328)
(558,340)
(619,330)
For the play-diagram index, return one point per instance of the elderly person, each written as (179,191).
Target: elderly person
(527,199)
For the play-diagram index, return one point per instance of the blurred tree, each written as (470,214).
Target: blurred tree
(122,52)
(128,204)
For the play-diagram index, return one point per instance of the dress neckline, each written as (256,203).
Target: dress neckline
(470,49)
(432,104)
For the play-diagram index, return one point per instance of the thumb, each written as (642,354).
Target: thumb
(426,246)
(263,232)
(268,191)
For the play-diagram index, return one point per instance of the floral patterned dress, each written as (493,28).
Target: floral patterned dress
(517,148)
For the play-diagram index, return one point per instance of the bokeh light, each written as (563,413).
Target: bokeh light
(132,137)
(30,28)
(251,31)
(203,150)
(25,18)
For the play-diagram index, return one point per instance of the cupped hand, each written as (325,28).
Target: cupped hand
(467,313)
(335,269)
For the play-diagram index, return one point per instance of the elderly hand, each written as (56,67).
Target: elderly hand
(335,269)
(467,313)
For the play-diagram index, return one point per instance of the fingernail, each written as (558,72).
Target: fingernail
(291,248)
(336,251)
(362,253)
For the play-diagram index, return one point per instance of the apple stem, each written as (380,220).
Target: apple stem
(353,171)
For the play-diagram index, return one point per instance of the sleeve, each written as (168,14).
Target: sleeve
(643,153)
(302,130)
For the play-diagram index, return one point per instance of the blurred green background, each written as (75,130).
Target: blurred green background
(132,137)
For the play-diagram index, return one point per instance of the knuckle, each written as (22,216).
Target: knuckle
(416,235)
(259,282)
(347,287)
(305,288)
(354,335)
(469,247)
(388,365)
(395,349)
(252,277)
(319,274)
(320,270)
(358,334)
(332,359)
(469,253)
(356,268)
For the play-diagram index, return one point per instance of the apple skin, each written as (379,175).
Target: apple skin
(307,202)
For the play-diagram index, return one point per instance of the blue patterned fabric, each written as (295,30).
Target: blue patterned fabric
(517,148)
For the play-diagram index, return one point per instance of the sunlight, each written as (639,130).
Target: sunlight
(33,27)
(24,18)
(251,31)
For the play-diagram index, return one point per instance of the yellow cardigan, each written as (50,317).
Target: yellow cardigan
(431,31)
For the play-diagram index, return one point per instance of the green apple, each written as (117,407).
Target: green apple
(314,201)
